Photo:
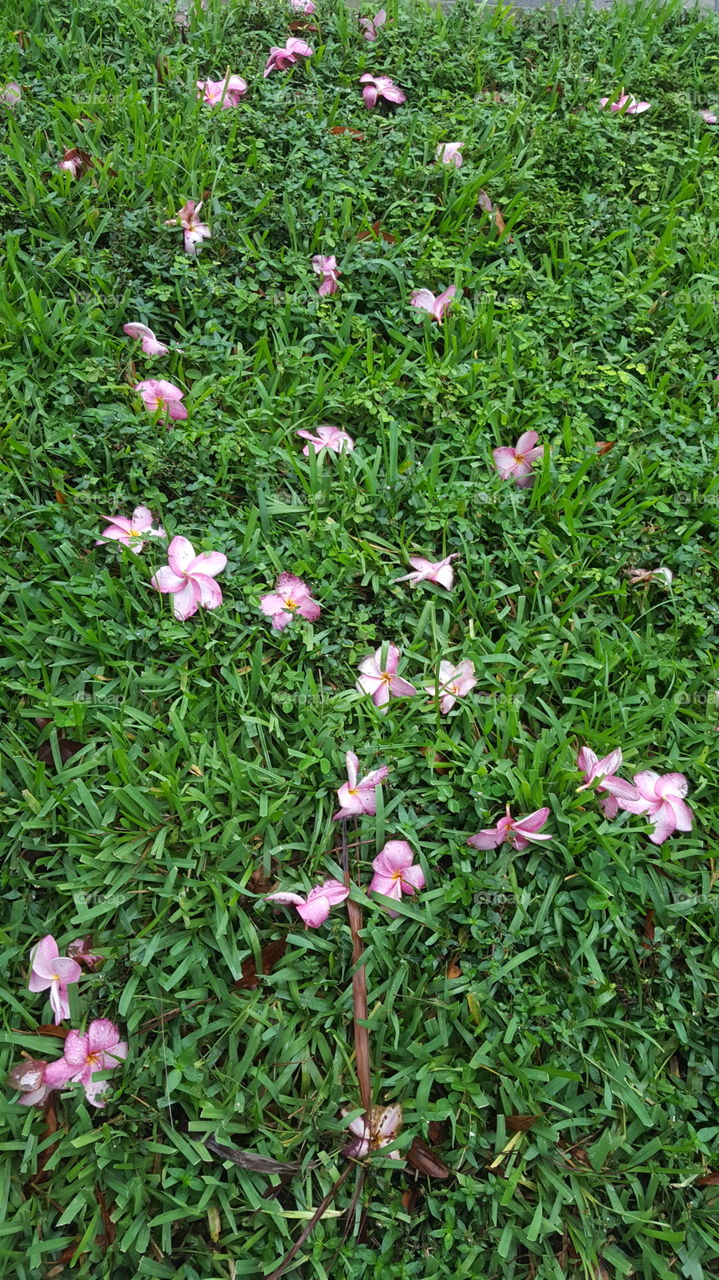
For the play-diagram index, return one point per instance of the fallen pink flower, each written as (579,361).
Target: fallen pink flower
(371,26)
(130,532)
(395,872)
(315,908)
(100,1049)
(450,153)
(150,344)
(72,163)
(661,798)
(662,574)
(303,6)
(355,796)
(383,682)
(194,231)
(518,462)
(190,578)
(327,268)
(709,117)
(332,438)
(454,682)
(604,773)
(224,93)
(626,103)
(290,596)
(384,1127)
(157,394)
(29,1078)
(376,87)
(50,970)
(435,306)
(11,94)
(519,832)
(80,950)
(282,59)
(439,571)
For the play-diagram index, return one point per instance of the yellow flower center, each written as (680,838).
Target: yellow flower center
(291,604)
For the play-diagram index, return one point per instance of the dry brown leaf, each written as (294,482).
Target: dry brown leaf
(519,1123)
(270,955)
(426,1161)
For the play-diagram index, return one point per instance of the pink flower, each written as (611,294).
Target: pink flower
(454,682)
(157,394)
(281,59)
(661,797)
(80,950)
(395,872)
(224,93)
(605,769)
(303,6)
(518,462)
(450,153)
(194,231)
(51,970)
(11,94)
(331,438)
(439,571)
(519,832)
(383,682)
(384,1126)
(129,532)
(100,1049)
(372,25)
(72,163)
(662,574)
(376,87)
(29,1077)
(709,117)
(315,908)
(291,595)
(355,796)
(437,307)
(327,268)
(625,102)
(150,344)
(190,578)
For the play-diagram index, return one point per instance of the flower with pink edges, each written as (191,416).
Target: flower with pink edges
(99,1049)
(326,437)
(454,682)
(291,596)
(358,795)
(380,87)
(519,832)
(150,344)
(449,153)
(378,677)
(315,908)
(303,6)
(436,305)
(709,117)
(518,461)
(283,59)
(190,578)
(326,266)
(439,571)
(661,797)
(164,397)
(194,231)
(131,532)
(51,971)
(395,872)
(384,1127)
(603,772)
(29,1078)
(223,93)
(80,950)
(625,103)
(11,94)
(371,26)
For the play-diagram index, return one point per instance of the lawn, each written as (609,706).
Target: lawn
(543,1010)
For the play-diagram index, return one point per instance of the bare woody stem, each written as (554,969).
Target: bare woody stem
(359,992)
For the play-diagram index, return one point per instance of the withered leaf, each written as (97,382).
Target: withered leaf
(270,956)
(48,1029)
(709,1180)
(250,1160)
(426,1161)
(520,1124)
(376,231)
(108,1238)
(67,747)
(354,133)
(603,446)
(301,24)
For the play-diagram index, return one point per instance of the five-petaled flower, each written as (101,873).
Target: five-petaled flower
(450,153)
(158,394)
(291,596)
(131,532)
(326,437)
(194,231)
(223,93)
(51,970)
(359,795)
(379,678)
(454,682)
(395,872)
(316,906)
(661,798)
(626,103)
(376,87)
(29,1077)
(150,344)
(282,59)
(518,461)
(384,1127)
(436,305)
(371,26)
(100,1049)
(326,266)
(439,571)
(603,772)
(519,832)
(190,578)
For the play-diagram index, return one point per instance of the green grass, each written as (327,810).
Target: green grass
(210,751)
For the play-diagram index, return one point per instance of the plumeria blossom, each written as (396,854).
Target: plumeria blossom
(709,117)
(223,93)
(376,87)
(194,231)
(395,872)
(380,681)
(282,59)
(662,574)
(158,394)
(73,163)
(29,1077)
(439,571)
(384,1127)
(315,908)
(332,438)
(130,532)
(303,6)
(80,950)
(626,103)
(150,344)
(291,596)
(100,1049)
(190,578)
(11,94)
(603,772)
(435,305)
(371,26)
(450,153)
(518,462)
(326,266)
(50,970)
(661,798)
(358,795)
(519,832)
(454,682)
